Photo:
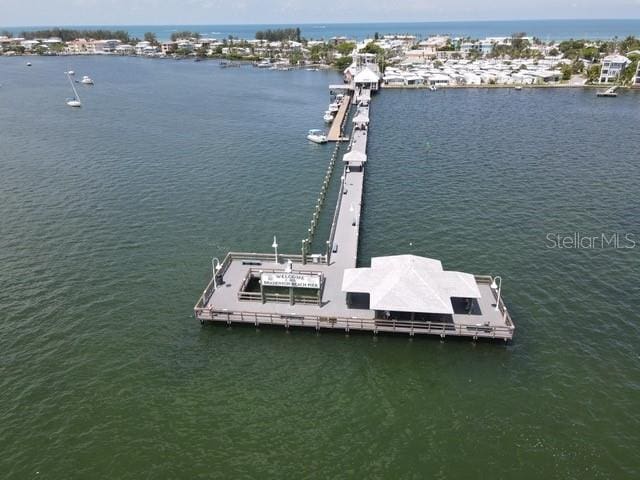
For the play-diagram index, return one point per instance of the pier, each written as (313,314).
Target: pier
(335,132)
(397,294)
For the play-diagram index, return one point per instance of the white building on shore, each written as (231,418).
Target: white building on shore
(612,67)
(105,46)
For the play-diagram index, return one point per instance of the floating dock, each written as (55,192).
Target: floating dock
(609,92)
(337,126)
(399,294)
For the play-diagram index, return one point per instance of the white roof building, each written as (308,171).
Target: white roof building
(408,283)
(366,78)
(612,67)
(354,157)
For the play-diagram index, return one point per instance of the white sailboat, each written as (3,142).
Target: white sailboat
(75,101)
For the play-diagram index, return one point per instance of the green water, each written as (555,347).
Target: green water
(110,216)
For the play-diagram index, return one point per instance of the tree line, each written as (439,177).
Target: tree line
(68,35)
(184,35)
(279,35)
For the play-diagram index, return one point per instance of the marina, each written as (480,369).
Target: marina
(398,294)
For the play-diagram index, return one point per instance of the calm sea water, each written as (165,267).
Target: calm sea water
(110,215)
(545,29)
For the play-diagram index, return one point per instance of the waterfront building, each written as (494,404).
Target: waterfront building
(141,47)
(612,67)
(52,42)
(636,78)
(30,44)
(79,46)
(8,43)
(105,46)
(185,45)
(168,47)
(125,49)
(367,78)
(439,79)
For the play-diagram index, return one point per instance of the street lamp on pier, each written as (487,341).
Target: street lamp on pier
(496,286)
(275,247)
(215,267)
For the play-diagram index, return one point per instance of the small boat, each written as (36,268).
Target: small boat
(433,88)
(75,101)
(86,80)
(28,64)
(518,87)
(334,107)
(328,116)
(70,72)
(317,136)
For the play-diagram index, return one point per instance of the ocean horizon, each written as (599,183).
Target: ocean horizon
(547,30)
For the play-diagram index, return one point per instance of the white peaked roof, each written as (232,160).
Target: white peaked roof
(361,117)
(366,75)
(354,156)
(616,58)
(408,283)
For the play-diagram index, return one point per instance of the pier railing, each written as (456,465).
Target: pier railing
(334,220)
(502,332)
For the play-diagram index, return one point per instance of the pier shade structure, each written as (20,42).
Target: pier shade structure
(327,290)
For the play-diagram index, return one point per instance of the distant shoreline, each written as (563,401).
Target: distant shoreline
(391,86)
(549,29)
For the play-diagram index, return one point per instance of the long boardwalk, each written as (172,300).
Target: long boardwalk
(224,299)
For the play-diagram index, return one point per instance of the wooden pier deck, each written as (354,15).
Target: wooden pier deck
(335,132)
(224,300)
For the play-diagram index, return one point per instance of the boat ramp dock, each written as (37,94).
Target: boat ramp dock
(337,126)
(609,92)
(327,290)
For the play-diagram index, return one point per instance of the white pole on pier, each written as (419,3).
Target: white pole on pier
(215,266)
(495,286)
(275,246)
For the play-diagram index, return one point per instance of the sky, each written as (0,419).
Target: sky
(215,12)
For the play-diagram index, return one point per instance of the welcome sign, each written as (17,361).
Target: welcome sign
(290,280)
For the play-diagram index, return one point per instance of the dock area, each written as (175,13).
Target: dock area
(398,294)
(335,132)
(609,92)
